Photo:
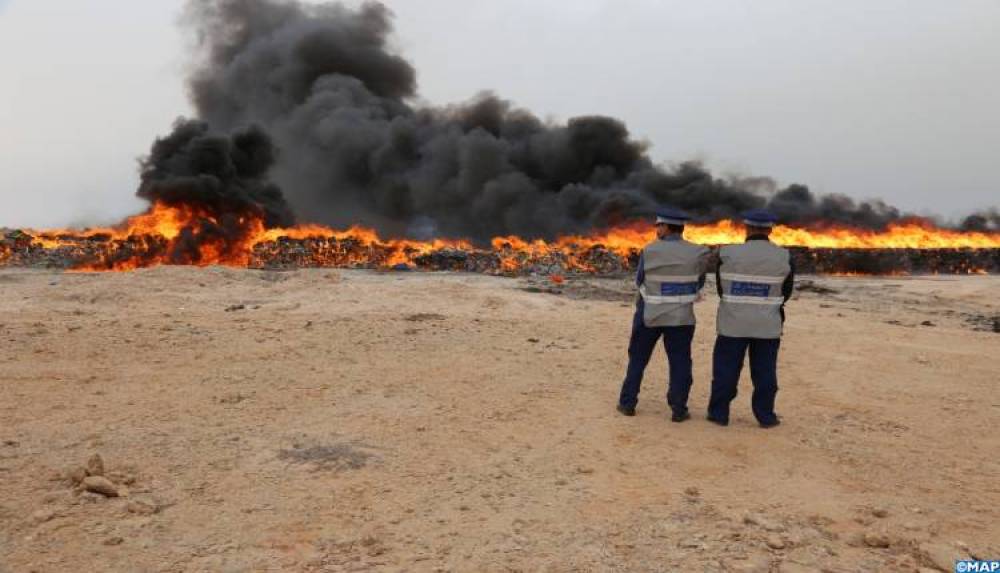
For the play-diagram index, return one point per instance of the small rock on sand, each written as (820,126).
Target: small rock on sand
(775,542)
(76,474)
(142,507)
(942,556)
(95,465)
(43,515)
(101,485)
(762,522)
(877,539)
(56,497)
(880,512)
(752,564)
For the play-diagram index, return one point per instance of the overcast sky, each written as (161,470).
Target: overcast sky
(898,99)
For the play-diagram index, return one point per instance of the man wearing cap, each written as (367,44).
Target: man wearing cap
(755,280)
(671,274)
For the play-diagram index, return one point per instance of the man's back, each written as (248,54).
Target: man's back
(673,273)
(751,278)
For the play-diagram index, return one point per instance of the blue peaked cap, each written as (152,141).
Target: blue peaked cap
(671,216)
(759,218)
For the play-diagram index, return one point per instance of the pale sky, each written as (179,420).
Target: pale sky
(898,99)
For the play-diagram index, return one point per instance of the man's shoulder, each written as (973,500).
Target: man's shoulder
(688,245)
(730,249)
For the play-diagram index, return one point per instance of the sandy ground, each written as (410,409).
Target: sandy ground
(339,421)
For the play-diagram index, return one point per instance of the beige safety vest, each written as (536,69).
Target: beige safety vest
(751,275)
(672,273)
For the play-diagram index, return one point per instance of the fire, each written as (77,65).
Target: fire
(910,235)
(189,235)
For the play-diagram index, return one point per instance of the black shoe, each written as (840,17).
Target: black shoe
(715,420)
(625,411)
(774,423)
(678,417)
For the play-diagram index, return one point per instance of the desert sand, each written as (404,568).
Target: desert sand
(351,421)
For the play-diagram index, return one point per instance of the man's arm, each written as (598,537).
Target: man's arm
(640,273)
(788,287)
(704,263)
(718,277)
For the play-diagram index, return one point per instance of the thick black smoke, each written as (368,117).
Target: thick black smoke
(221,177)
(324,83)
(984,221)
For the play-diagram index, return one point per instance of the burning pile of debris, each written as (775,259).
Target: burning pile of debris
(963,261)
(506,257)
(20,249)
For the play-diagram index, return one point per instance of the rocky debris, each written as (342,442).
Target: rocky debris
(337,457)
(941,555)
(100,485)
(775,542)
(752,564)
(95,465)
(43,515)
(114,540)
(76,475)
(57,497)
(689,544)
(143,507)
(880,512)
(425,317)
(232,398)
(542,290)
(764,523)
(877,539)
(984,323)
(806,285)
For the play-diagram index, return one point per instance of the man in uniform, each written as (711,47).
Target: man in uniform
(755,280)
(671,274)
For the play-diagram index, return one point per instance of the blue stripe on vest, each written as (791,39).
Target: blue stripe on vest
(678,289)
(750,289)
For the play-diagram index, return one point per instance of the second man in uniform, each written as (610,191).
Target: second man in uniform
(670,277)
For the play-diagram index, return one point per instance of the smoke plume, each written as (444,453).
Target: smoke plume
(322,80)
(221,178)
(987,221)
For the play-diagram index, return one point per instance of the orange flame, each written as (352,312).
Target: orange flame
(166,225)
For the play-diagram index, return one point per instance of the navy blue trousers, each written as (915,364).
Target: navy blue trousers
(727,363)
(677,342)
